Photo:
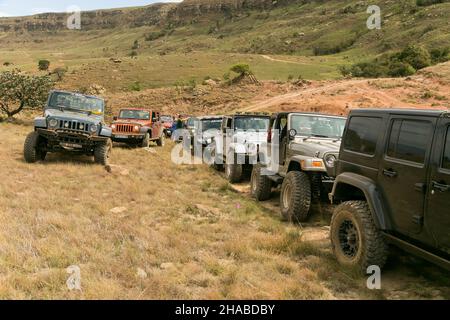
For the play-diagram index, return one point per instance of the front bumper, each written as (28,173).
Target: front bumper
(70,140)
(117,137)
(57,135)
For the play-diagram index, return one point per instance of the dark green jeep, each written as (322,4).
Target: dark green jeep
(71,122)
(393,186)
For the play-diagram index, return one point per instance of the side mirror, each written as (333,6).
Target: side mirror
(292,134)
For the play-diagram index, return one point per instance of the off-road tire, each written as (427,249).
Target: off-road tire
(102,152)
(368,247)
(31,150)
(146,141)
(233,172)
(261,186)
(295,198)
(215,166)
(161,141)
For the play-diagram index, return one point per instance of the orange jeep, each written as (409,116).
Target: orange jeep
(138,127)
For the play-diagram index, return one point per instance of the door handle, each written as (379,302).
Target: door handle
(440,186)
(390,173)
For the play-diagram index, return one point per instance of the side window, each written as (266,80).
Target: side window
(446,159)
(409,140)
(362,135)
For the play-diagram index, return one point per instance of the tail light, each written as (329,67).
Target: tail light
(269,136)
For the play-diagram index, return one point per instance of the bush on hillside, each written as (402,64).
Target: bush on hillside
(242,69)
(423,3)
(400,69)
(417,56)
(440,55)
(43,65)
(400,64)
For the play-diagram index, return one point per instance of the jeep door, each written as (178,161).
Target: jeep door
(437,217)
(403,171)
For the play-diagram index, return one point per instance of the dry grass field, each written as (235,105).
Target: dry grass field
(154,230)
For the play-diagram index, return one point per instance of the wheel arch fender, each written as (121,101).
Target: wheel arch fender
(364,187)
(294,164)
(146,130)
(106,132)
(40,122)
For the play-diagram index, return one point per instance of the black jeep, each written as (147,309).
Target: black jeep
(393,183)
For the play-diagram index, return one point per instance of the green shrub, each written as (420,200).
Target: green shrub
(368,70)
(400,69)
(423,3)
(241,68)
(440,55)
(134,54)
(417,56)
(154,36)
(327,48)
(43,65)
(136,86)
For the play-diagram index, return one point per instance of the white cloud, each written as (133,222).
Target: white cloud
(4,14)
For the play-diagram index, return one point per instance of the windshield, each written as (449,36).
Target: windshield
(78,102)
(134,114)
(211,124)
(166,119)
(191,122)
(251,123)
(318,126)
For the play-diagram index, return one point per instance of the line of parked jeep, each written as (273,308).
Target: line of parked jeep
(388,170)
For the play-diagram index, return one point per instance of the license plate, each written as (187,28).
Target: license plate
(71,145)
(122,137)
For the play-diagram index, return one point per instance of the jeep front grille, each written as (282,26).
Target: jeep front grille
(127,128)
(74,126)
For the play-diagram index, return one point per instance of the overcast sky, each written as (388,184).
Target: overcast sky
(29,7)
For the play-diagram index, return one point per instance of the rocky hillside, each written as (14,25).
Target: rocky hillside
(137,17)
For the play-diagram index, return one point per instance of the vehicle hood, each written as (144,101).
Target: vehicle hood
(73,116)
(132,121)
(244,137)
(315,147)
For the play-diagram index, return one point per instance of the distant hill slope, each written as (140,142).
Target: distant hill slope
(255,26)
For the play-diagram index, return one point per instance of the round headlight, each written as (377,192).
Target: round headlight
(330,160)
(53,123)
(136,128)
(94,128)
(113,127)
